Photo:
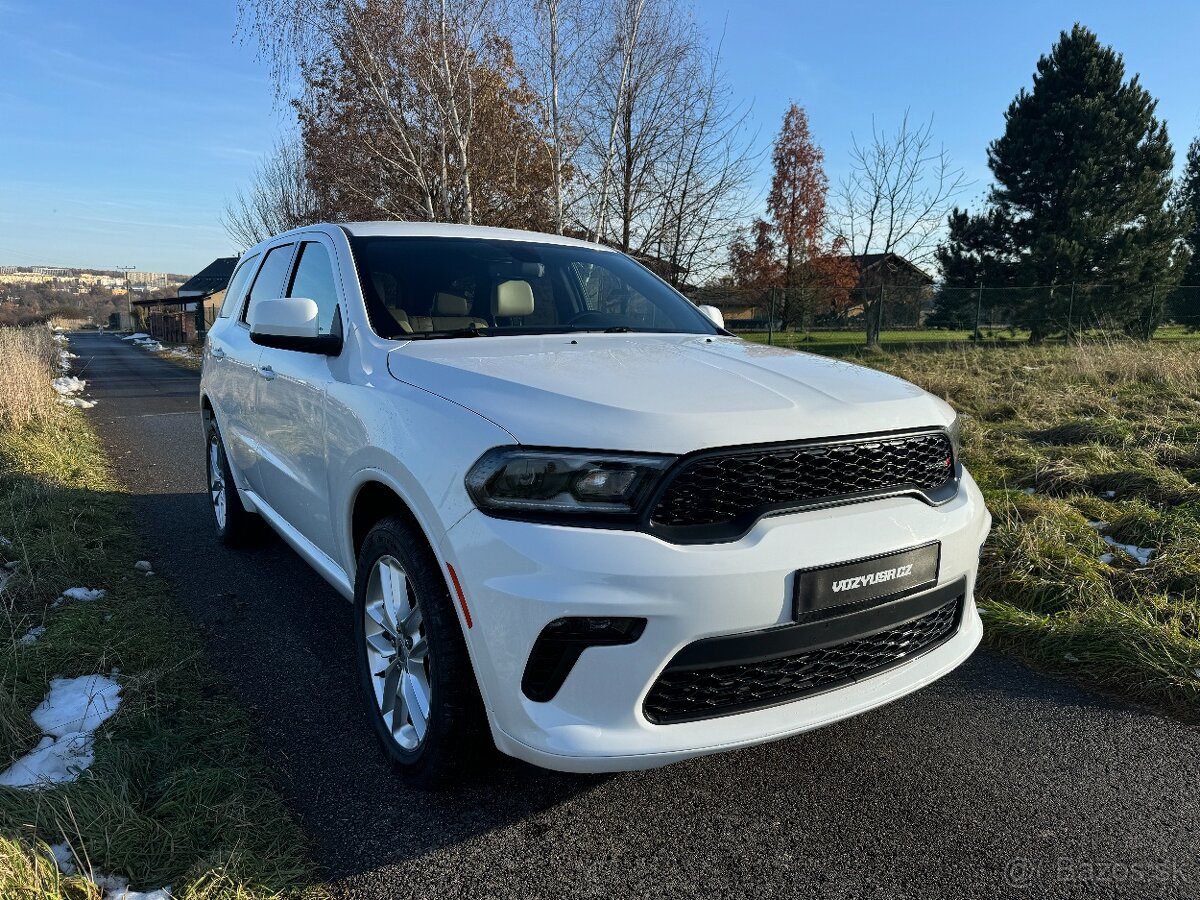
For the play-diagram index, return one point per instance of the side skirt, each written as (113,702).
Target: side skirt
(313,555)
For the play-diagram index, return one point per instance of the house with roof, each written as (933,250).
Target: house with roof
(907,288)
(908,291)
(183,318)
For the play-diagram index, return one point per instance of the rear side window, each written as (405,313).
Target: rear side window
(269,283)
(314,281)
(237,286)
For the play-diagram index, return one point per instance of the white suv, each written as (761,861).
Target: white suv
(572,511)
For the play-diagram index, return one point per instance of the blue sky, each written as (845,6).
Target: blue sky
(124,127)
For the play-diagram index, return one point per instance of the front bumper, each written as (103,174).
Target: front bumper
(517,577)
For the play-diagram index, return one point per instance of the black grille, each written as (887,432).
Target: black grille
(715,490)
(685,694)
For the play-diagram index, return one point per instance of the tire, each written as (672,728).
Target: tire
(235,525)
(422,682)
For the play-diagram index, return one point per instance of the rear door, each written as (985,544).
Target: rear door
(293,389)
(228,376)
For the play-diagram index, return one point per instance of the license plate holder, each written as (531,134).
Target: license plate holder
(889,575)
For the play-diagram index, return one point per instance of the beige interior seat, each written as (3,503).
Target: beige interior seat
(512,299)
(386,289)
(451,311)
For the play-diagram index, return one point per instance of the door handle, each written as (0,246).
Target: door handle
(267,372)
(218,353)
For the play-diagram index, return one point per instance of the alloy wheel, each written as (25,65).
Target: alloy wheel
(397,653)
(216,482)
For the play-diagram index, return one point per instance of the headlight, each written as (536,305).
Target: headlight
(513,480)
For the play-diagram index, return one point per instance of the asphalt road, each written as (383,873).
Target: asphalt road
(996,781)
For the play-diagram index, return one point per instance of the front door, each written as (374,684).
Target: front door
(292,396)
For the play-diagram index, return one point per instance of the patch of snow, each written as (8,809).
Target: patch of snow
(77,401)
(1070,657)
(1106,558)
(143,565)
(1196,672)
(1141,554)
(136,336)
(68,384)
(1097,524)
(117,888)
(50,762)
(30,637)
(112,887)
(77,705)
(85,595)
(64,857)
(1030,490)
(70,715)
(61,338)
(5,542)
(1108,495)
(153,346)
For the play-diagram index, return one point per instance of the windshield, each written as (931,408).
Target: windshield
(429,287)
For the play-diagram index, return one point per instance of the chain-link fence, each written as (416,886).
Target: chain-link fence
(925,312)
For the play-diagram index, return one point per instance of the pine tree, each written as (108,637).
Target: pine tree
(1081,196)
(1187,299)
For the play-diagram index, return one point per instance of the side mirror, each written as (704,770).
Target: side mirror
(713,315)
(291,323)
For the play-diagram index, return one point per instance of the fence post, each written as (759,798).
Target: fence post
(1153,313)
(978,310)
(879,321)
(771,316)
(1070,311)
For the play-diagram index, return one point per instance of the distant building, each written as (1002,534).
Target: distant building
(907,288)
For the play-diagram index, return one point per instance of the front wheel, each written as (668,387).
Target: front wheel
(415,675)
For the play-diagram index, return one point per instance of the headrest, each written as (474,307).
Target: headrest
(512,298)
(450,305)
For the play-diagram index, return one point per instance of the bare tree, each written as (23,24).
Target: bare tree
(279,197)
(406,87)
(558,42)
(668,156)
(895,200)
(701,182)
(424,109)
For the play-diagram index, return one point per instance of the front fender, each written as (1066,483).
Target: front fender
(417,444)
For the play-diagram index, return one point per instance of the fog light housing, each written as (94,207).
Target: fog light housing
(563,641)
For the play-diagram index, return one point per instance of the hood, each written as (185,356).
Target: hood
(661,393)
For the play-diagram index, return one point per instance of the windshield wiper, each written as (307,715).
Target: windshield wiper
(454,333)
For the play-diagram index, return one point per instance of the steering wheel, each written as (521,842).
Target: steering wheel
(591,317)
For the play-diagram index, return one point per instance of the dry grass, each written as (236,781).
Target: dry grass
(1102,431)
(28,361)
(177,794)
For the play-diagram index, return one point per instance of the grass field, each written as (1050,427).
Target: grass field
(177,795)
(1072,444)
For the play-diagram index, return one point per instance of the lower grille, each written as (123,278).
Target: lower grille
(682,695)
